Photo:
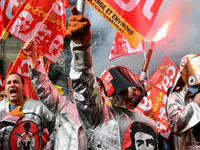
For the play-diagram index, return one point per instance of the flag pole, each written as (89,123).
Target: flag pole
(81,7)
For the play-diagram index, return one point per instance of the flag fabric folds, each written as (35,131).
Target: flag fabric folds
(153,105)
(131,18)
(1,81)
(44,21)
(8,9)
(1,21)
(121,47)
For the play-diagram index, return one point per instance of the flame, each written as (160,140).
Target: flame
(162,32)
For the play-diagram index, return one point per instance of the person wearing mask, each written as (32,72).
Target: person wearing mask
(105,127)
(22,119)
(182,106)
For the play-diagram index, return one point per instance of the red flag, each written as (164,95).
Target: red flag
(1,81)
(32,21)
(1,21)
(164,76)
(8,8)
(153,106)
(131,18)
(47,65)
(9,67)
(121,47)
(20,66)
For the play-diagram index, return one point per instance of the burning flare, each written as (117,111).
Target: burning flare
(162,32)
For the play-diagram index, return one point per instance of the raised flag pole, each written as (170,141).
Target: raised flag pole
(81,6)
(147,60)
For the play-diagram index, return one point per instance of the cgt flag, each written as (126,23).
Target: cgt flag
(121,47)
(45,22)
(8,9)
(131,18)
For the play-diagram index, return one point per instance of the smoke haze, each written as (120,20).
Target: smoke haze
(182,37)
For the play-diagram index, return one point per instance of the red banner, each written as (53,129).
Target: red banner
(9,8)
(1,22)
(50,36)
(121,47)
(153,107)
(164,76)
(131,18)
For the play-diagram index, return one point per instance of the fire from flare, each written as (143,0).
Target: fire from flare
(162,32)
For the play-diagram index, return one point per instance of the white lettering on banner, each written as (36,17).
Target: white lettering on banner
(166,80)
(10,7)
(147,102)
(133,3)
(19,69)
(127,6)
(58,9)
(146,10)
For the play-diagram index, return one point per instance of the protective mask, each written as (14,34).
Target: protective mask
(193,89)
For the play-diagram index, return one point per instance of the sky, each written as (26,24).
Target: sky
(182,37)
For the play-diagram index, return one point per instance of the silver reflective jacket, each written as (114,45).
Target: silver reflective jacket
(25,132)
(183,118)
(106,127)
(68,134)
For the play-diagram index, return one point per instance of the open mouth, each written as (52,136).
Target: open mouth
(13,92)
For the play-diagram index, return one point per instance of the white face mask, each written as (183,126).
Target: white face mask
(194,89)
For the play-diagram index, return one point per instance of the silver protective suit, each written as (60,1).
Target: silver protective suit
(183,118)
(68,131)
(104,125)
(25,132)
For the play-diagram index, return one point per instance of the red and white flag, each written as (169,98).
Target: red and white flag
(44,21)
(8,9)
(153,105)
(121,47)
(163,77)
(1,21)
(131,18)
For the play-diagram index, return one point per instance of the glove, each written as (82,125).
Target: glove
(78,27)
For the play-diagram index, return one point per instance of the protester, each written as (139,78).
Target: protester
(2,93)
(68,130)
(104,126)
(22,119)
(182,106)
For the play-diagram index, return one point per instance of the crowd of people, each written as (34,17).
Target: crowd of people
(100,114)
